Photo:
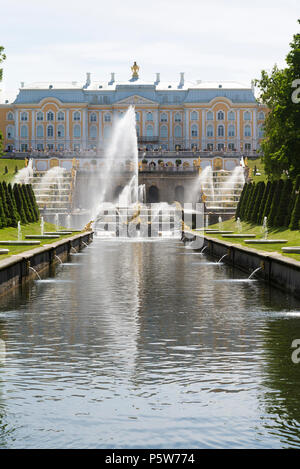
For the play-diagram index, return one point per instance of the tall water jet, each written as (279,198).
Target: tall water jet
(19,231)
(122,150)
(24,175)
(42,226)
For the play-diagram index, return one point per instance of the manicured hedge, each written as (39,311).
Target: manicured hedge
(17,203)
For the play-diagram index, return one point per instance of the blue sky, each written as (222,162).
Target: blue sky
(215,40)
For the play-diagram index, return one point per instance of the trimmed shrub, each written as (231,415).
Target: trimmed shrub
(295,218)
(296,187)
(275,203)
(257,202)
(263,203)
(269,199)
(19,202)
(282,208)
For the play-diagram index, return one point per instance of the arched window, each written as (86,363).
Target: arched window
(40,131)
(93,131)
(210,131)
(247,116)
(164,131)
(231,116)
(137,131)
(221,131)
(10,116)
(220,116)
(177,117)
(61,116)
(178,131)
(231,131)
(164,117)
(137,116)
(40,116)
(261,116)
(24,116)
(76,116)
(24,131)
(107,118)
(149,131)
(194,131)
(149,116)
(93,117)
(60,131)
(210,116)
(50,116)
(77,131)
(194,116)
(10,132)
(247,132)
(261,132)
(50,131)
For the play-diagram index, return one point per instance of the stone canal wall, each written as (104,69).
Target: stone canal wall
(280,271)
(15,270)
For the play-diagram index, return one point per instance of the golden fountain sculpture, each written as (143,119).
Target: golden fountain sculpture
(88,226)
(135,70)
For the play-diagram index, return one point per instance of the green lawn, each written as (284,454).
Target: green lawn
(30,229)
(293,237)
(11,165)
(259,167)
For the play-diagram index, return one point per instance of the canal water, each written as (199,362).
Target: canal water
(148,345)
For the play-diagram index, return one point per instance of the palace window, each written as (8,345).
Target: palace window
(231,131)
(50,116)
(194,116)
(24,147)
(137,116)
(76,116)
(231,116)
(210,131)
(107,118)
(10,132)
(93,117)
(247,116)
(248,146)
(60,147)
(40,131)
(220,146)
(164,117)
(178,131)
(60,131)
(210,116)
(77,131)
(261,132)
(220,116)
(177,117)
(50,131)
(247,131)
(61,116)
(261,116)
(24,116)
(221,131)
(149,131)
(24,131)
(40,147)
(40,116)
(106,132)
(164,131)
(231,146)
(149,116)
(210,146)
(10,116)
(194,131)
(93,131)
(137,131)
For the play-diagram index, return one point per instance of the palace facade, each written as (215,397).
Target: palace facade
(170,115)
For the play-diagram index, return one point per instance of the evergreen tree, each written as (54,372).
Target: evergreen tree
(269,199)
(13,214)
(245,201)
(253,201)
(283,203)
(275,203)
(32,199)
(238,209)
(291,204)
(263,203)
(2,215)
(249,202)
(257,203)
(19,202)
(26,206)
(5,204)
(295,218)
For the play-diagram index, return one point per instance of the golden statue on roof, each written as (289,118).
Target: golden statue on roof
(135,70)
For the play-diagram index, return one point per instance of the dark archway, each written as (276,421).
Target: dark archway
(179,194)
(153,195)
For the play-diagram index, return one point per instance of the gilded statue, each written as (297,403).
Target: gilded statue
(135,70)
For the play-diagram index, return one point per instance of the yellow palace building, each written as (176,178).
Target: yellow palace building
(177,115)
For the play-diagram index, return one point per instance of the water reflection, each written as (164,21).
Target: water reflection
(138,346)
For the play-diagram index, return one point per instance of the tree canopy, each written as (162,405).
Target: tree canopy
(280,91)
